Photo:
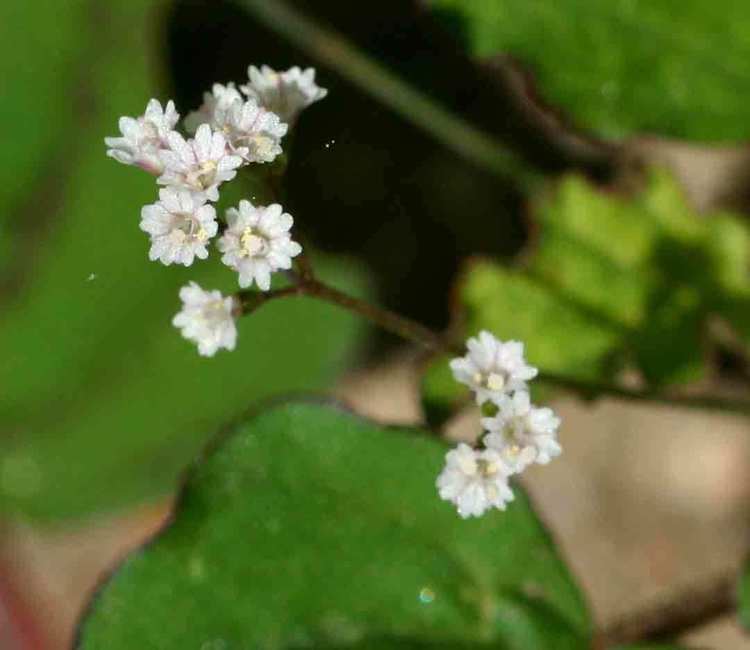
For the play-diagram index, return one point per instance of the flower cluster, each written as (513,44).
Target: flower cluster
(232,129)
(516,434)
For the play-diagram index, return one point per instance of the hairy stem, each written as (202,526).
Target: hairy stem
(670,618)
(305,284)
(418,108)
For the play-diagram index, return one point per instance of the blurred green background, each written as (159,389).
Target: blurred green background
(627,256)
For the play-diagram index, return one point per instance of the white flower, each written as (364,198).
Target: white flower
(252,131)
(199,165)
(284,93)
(474,481)
(522,433)
(257,243)
(144,137)
(180,224)
(492,368)
(207,318)
(214,109)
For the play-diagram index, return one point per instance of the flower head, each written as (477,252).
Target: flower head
(474,481)
(285,93)
(199,165)
(492,368)
(144,137)
(522,433)
(252,131)
(207,318)
(214,109)
(257,243)
(180,224)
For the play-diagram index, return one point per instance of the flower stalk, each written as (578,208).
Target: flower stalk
(410,330)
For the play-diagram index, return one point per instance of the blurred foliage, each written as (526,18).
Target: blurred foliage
(743,596)
(103,403)
(611,282)
(47,103)
(623,67)
(650,646)
(309,526)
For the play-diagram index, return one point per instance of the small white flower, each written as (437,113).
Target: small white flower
(252,131)
(214,109)
(257,243)
(207,318)
(144,137)
(492,368)
(522,433)
(199,165)
(474,481)
(180,224)
(285,93)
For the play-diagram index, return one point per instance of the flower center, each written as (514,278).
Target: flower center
(513,450)
(519,427)
(252,244)
(191,228)
(260,145)
(213,312)
(150,135)
(203,177)
(493,380)
(486,468)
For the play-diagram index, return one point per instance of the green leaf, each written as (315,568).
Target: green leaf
(743,597)
(400,643)
(622,68)
(611,280)
(650,646)
(49,55)
(559,336)
(102,402)
(311,527)
(736,309)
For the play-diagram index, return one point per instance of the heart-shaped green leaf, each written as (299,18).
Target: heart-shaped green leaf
(311,527)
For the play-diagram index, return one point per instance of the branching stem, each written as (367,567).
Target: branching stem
(305,284)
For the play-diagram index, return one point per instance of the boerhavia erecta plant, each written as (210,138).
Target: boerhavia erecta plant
(246,487)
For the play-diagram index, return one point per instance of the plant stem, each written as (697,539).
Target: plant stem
(306,284)
(388,320)
(594,389)
(671,618)
(418,108)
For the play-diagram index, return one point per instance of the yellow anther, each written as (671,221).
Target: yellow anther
(495,381)
(251,243)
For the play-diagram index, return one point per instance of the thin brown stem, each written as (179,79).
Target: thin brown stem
(390,321)
(593,389)
(306,285)
(671,618)
(253,300)
(415,332)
